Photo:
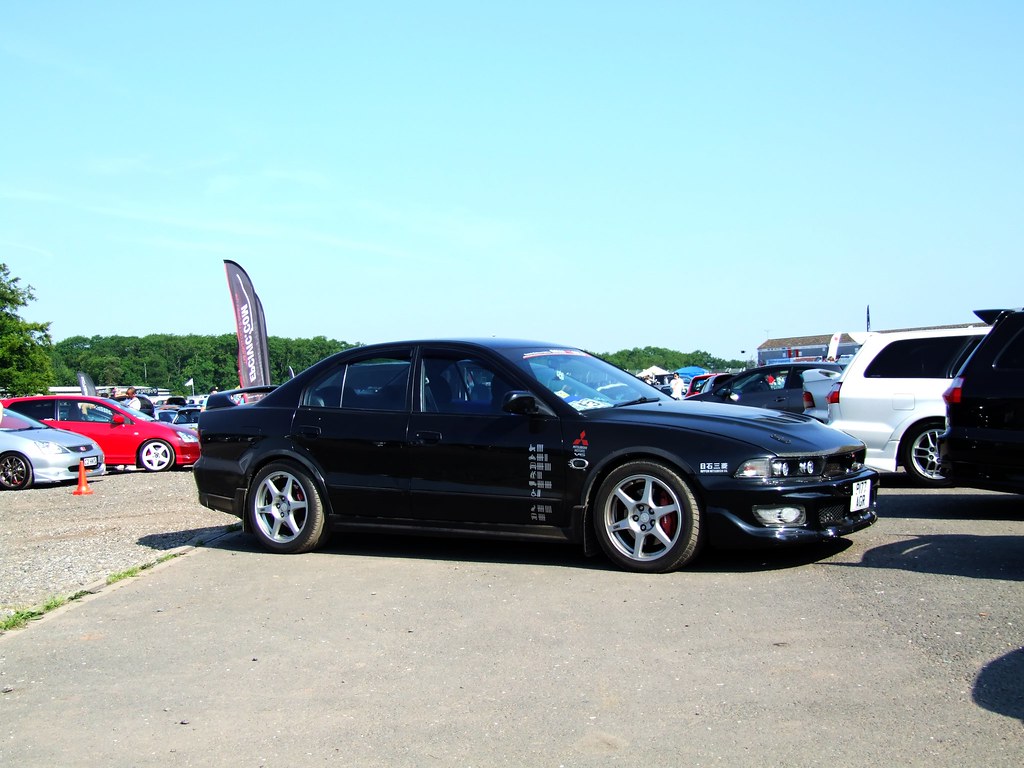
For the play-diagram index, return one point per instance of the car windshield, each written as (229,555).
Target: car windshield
(12,421)
(583,381)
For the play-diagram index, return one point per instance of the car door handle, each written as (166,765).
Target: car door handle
(427,438)
(309,431)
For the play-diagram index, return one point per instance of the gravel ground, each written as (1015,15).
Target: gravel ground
(56,544)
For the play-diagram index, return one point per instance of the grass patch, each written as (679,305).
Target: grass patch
(132,572)
(20,618)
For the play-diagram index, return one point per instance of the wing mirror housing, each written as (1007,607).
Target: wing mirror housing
(523,403)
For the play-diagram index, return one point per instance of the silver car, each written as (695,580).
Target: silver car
(32,453)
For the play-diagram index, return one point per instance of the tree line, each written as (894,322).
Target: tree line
(30,362)
(167,361)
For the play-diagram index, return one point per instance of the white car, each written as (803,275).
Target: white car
(33,453)
(890,396)
(817,384)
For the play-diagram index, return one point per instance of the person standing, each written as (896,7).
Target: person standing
(132,401)
(678,385)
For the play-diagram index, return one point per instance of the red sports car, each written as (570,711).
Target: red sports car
(126,436)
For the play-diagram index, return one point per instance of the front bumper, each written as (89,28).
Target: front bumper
(827,506)
(61,470)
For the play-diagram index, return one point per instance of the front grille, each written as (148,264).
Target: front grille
(832,515)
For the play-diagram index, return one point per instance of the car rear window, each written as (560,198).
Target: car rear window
(1012,356)
(930,358)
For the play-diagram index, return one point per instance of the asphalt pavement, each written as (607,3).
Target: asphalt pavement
(901,646)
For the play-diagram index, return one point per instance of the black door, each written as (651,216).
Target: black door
(353,422)
(473,462)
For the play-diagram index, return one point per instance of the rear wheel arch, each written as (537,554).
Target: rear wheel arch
(918,452)
(300,462)
(285,508)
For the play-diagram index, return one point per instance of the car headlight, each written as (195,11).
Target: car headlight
(188,437)
(765,468)
(50,448)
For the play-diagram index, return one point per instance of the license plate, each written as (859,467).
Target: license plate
(90,461)
(861,496)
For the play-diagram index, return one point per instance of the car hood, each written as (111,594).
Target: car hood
(775,431)
(58,436)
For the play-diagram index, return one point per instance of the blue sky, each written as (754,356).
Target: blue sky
(604,174)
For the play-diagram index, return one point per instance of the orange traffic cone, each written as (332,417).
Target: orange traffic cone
(83,488)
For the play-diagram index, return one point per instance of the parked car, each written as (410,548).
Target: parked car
(166,415)
(817,384)
(778,386)
(188,416)
(32,453)
(704,382)
(890,397)
(126,436)
(982,445)
(521,440)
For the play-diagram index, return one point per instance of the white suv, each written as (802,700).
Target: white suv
(890,396)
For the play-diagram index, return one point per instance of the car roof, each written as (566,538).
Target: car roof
(479,341)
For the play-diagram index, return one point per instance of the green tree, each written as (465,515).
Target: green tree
(25,366)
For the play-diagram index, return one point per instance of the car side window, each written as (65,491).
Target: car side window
(36,409)
(758,382)
(95,413)
(373,384)
(929,358)
(458,384)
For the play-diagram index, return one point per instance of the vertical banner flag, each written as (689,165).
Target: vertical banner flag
(85,384)
(253,357)
(868,318)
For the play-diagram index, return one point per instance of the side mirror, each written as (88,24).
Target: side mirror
(521,403)
(117,420)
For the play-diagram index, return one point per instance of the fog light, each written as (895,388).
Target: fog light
(780,515)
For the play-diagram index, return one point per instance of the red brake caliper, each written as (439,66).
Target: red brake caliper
(668,522)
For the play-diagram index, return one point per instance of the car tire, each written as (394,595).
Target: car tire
(15,472)
(919,454)
(155,456)
(284,509)
(647,518)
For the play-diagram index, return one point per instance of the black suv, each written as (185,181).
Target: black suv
(983,445)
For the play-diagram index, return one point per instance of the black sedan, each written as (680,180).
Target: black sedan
(521,440)
(779,386)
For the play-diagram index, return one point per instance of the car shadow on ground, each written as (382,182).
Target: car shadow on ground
(998,686)
(975,557)
(953,504)
(553,554)
(191,536)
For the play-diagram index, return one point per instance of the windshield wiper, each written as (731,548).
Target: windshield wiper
(638,401)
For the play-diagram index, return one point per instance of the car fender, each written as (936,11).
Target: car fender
(603,466)
(269,450)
